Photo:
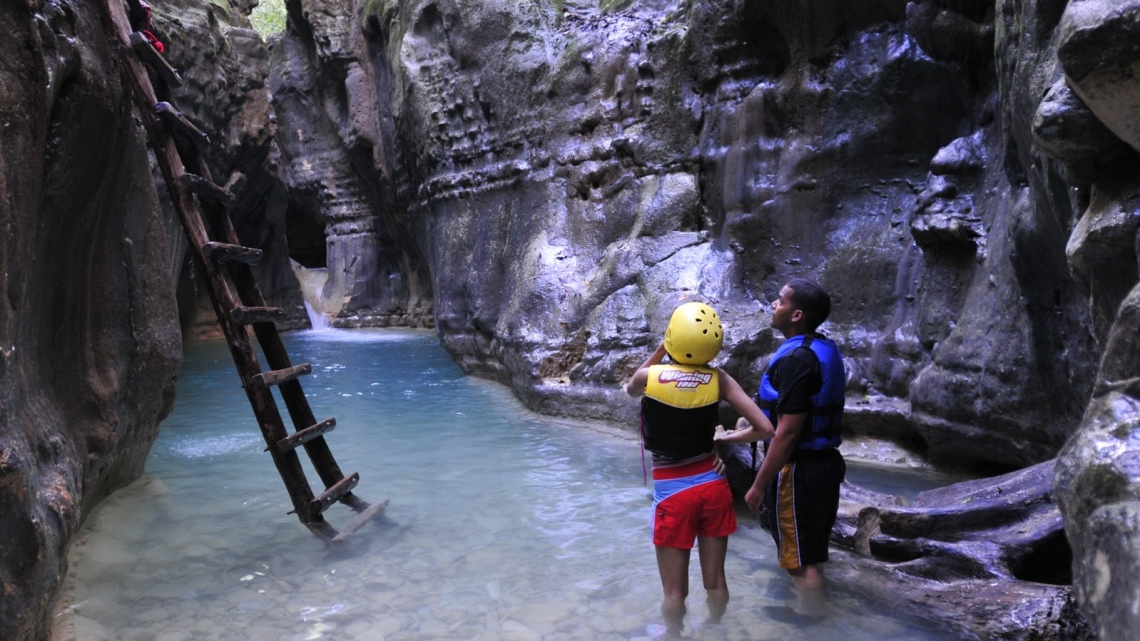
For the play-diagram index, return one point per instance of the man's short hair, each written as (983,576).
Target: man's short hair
(812,300)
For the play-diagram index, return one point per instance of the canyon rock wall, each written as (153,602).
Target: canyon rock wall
(97,280)
(556,177)
(89,341)
(544,182)
(1098,473)
(224,65)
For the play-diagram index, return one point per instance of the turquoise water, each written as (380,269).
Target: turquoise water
(502,524)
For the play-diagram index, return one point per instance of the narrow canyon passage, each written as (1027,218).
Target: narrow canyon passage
(502,525)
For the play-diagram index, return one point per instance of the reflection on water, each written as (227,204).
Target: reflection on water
(502,524)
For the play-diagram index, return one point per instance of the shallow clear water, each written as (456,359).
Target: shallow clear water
(502,524)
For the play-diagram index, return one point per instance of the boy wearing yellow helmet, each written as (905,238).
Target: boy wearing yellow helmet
(679,416)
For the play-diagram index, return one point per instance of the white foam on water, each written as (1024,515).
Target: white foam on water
(210,446)
(381,335)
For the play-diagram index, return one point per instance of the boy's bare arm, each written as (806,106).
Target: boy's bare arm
(759,427)
(636,385)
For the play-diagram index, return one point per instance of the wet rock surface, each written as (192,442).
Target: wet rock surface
(89,341)
(958,174)
(547,185)
(224,65)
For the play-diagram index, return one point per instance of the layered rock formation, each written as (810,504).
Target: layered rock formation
(224,65)
(983,559)
(566,173)
(557,178)
(544,182)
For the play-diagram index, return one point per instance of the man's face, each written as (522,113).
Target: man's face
(784,314)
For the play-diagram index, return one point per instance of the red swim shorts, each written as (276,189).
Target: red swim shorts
(706,510)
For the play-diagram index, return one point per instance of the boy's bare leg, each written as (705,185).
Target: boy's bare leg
(673,564)
(712,551)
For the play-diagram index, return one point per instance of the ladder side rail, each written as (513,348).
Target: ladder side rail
(296,403)
(170,164)
(277,357)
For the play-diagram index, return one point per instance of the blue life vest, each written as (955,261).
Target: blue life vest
(825,419)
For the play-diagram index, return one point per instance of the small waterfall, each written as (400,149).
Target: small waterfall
(312,282)
(319,320)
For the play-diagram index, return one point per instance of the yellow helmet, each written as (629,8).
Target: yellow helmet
(694,335)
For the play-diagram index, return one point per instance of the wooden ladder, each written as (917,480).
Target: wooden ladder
(233,290)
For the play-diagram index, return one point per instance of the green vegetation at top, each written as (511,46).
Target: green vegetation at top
(268,18)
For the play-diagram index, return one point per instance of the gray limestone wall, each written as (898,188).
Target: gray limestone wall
(551,179)
(556,177)
(543,182)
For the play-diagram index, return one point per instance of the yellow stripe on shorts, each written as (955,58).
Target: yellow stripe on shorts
(786,515)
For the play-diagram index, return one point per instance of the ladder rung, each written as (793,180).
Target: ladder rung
(204,188)
(152,57)
(224,253)
(300,437)
(279,376)
(367,515)
(180,125)
(251,315)
(333,494)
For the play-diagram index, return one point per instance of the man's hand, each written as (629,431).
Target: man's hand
(719,434)
(755,499)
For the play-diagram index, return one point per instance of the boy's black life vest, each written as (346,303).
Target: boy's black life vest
(825,418)
(679,412)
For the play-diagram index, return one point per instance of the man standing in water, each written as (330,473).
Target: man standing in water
(796,491)
(679,416)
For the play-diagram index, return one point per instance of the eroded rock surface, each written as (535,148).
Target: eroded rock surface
(961,175)
(224,65)
(984,559)
(544,182)
(1098,472)
(89,340)
(553,181)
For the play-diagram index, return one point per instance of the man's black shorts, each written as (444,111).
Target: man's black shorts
(800,506)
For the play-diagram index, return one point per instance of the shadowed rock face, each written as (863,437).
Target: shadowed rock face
(89,341)
(89,333)
(224,65)
(1098,472)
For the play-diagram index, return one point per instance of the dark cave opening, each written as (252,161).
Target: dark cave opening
(1049,561)
(305,233)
